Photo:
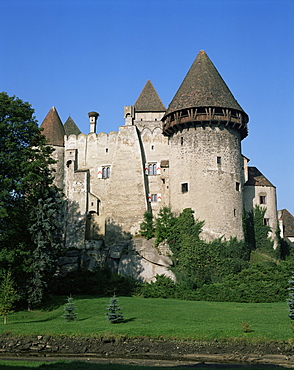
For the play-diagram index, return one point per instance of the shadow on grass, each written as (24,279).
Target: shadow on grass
(80,365)
(32,321)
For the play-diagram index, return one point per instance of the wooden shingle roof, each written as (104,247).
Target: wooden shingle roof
(256,178)
(71,128)
(203,86)
(53,128)
(148,100)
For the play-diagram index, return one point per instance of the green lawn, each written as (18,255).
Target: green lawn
(155,317)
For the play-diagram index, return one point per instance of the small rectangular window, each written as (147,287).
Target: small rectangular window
(153,197)
(266,222)
(182,140)
(105,172)
(184,187)
(262,199)
(237,186)
(218,160)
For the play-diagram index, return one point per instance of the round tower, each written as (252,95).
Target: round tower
(205,126)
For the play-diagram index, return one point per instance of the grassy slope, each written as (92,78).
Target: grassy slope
(159,317)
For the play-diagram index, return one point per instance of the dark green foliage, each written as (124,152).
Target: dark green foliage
(261,282)
(8,295)
(256,232)
(147,227)
(97,282)
(162,287)
(70,308)
(291,298)
(198,262)
(30,204)
(283,250)
(163,225)
(220,270)
(114,314)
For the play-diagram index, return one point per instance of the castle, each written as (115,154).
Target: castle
(186,156)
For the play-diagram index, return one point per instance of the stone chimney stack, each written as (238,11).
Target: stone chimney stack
(93,121)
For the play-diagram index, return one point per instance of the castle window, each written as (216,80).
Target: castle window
(106,150)
(262,199)
(218,160)
(235,212)
(237,186)
(184,187)
(105,172)
(182,140)
(152,147)
(266,222)
(152,169)
(153,197)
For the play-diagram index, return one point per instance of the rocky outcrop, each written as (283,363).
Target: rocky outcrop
(136,257)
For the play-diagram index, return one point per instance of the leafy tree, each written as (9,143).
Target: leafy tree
(8,296)
(30,204)
(256,232)
(69,310)
(114,314)
(163,225)
(147,226)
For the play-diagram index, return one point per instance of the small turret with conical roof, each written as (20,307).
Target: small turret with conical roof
(148,100)
(71,128)
(204,97)
(148,107)
(53,128)
(54,131)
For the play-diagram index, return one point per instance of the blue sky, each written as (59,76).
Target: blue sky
(85,55)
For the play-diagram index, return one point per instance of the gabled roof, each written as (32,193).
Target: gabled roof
(148,100)
(53,128)
(71,128)
(288,222)
(256,178)
(203,86)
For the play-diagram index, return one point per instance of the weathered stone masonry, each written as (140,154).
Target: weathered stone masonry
(186,156)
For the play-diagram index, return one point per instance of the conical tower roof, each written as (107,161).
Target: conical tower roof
(204,96)
(71,128)
(203,86)
(148,100)
(53,128)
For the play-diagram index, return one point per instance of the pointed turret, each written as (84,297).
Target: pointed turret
(71,128)
(53,128)
(204,97)
(148,100)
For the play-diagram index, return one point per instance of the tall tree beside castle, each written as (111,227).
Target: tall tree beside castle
(186,156)
(29,202)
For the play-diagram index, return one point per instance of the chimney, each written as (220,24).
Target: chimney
(93,121)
